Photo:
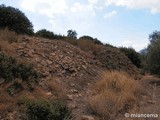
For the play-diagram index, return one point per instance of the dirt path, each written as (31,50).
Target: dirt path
(150,103)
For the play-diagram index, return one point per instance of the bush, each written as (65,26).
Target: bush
(47,110)
(132,55)
(15,20)
(48,34)
(95,40)
(10,69)
(153,57)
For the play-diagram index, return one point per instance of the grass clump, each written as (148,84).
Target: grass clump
(116,93)
(47,110)
(7,35)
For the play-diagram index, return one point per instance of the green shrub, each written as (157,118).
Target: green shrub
(48,34)
(132,55)
(15,20)
(47,110)
(10,69)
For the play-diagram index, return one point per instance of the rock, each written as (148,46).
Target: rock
(53,54)
(88,84)
(70,97)
(80,95)
(151,101)
(72,84)
(86,117)
(49,62)
(49,94)
(72,106)
(74,91)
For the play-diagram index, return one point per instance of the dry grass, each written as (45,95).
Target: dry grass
(7,40)
(56,88)
(7,35)
(116,93)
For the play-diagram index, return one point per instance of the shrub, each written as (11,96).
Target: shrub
(10,69)
(47,110)
(116,93)
(132,55)
(15,20)
(48,34)
(153,57)
(95,40)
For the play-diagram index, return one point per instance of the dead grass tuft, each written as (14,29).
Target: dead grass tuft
(7,35)
(116,93)
(7,40)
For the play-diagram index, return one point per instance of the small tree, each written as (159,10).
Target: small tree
(72,34)
(15,20)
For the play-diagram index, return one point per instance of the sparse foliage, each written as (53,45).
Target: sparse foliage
(72,34)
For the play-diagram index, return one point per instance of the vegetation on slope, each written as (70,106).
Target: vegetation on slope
(116,93)
(132,55)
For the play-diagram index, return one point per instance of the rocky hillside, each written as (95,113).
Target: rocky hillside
(66,72)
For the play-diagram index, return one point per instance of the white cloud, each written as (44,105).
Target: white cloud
(45,7)
(152,5)
(109,15)
(92,2)
(78,7)
(136,45)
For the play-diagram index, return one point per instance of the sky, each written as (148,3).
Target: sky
(126,23)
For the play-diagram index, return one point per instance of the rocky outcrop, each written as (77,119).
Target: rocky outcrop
(54,57)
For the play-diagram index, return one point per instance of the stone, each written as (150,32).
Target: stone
(49,62)
(151,101)
(53,54)
(74,91)
(49,94)
(70,97)
(86,117)
(72,84)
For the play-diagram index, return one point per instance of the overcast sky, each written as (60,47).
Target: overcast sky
(118,22)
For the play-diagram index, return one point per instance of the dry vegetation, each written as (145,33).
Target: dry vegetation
(7,40)
(116,93)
